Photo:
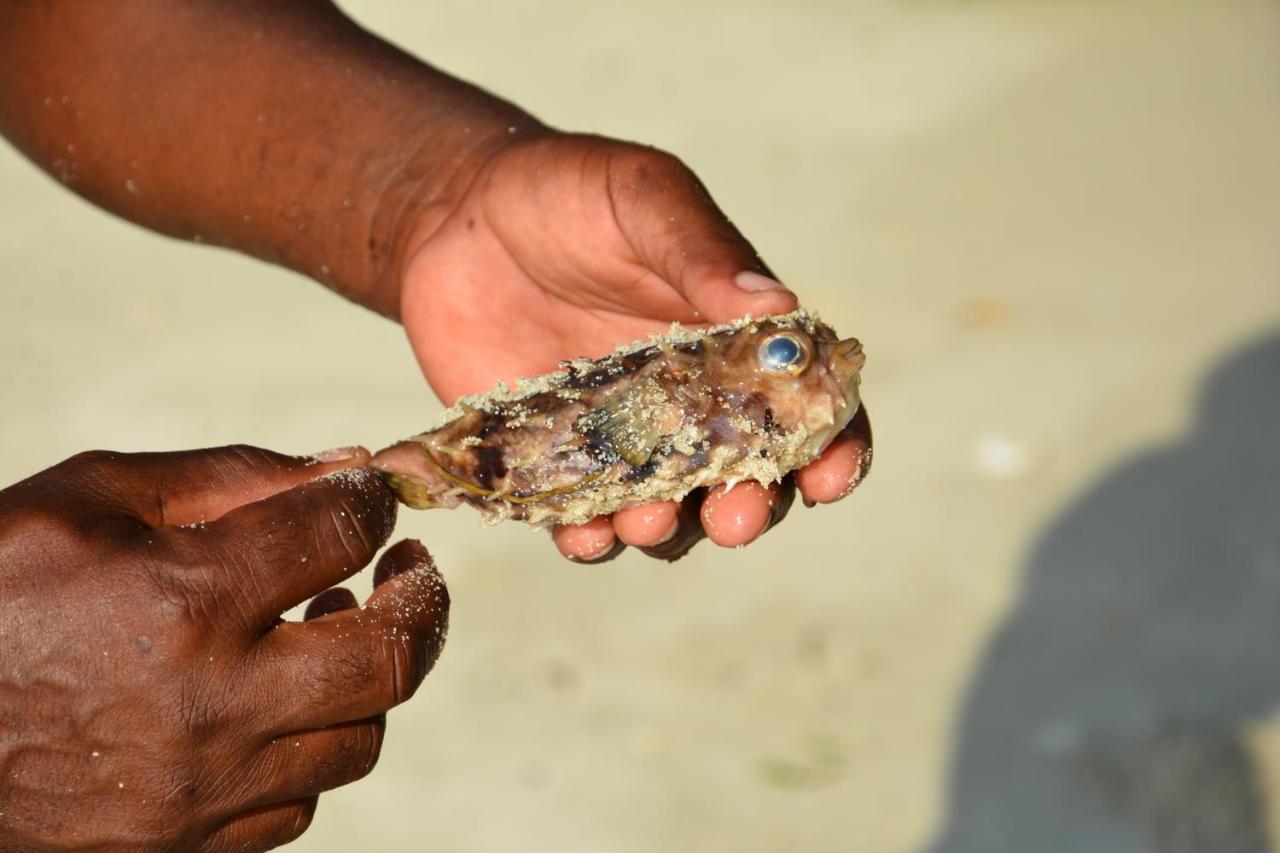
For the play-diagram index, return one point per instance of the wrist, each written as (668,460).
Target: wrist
(425,190)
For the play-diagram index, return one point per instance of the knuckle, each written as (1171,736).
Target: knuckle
(371,675)
(95,471)
(90,459)
(355,667)
(76,488)
(72,535)
(641,166)
(351,669)
(92,492)
(35,522)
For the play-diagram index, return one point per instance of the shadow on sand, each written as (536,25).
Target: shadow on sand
(1110,710)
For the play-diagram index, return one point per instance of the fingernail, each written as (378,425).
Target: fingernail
(337,454)
(331,600)
(671,532)
(754,282)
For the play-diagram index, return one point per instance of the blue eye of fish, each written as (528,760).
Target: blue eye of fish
(783,353)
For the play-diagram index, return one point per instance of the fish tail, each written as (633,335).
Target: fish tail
(417,480)
(412,492)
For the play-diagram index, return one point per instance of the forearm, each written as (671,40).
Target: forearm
(279,128)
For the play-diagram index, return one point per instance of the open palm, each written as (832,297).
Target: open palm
(565,246)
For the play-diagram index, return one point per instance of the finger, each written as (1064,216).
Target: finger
(647,525)
(786,497)
(280,551)
(404,556)
(593,542)
(675,228)
(263,828)
(193,486)
(688,531)
(735,517)
(841,467)
(330,601)
(299,765)
(356,664)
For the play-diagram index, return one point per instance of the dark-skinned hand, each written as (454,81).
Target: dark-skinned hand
(151,698)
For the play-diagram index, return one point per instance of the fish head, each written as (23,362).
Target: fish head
(794,375)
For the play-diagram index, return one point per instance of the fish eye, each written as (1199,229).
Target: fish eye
(784,352)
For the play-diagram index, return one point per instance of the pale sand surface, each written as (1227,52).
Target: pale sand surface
(1050,223)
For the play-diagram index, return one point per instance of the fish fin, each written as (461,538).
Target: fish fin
(625,425)
(411,491)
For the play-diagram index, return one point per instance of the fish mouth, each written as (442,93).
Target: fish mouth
(843,360)
(847,356)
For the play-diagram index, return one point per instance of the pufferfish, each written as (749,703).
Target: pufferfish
(750,400)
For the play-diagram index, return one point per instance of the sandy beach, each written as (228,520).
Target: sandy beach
(1047,622)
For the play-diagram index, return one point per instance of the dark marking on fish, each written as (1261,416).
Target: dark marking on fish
(600,451)
(642,472)
(490,422)
(700,456)
(490,465)
(613,369)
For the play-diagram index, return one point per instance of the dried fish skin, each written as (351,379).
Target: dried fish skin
(750,400)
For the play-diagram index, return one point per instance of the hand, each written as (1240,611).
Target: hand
(150,696)
(565,246)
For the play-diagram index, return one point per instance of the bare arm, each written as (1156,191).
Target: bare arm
(279,129)
(282,129)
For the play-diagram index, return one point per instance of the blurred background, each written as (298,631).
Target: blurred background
(1050,619)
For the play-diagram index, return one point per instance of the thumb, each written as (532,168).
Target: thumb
(676,230)
(193,486)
